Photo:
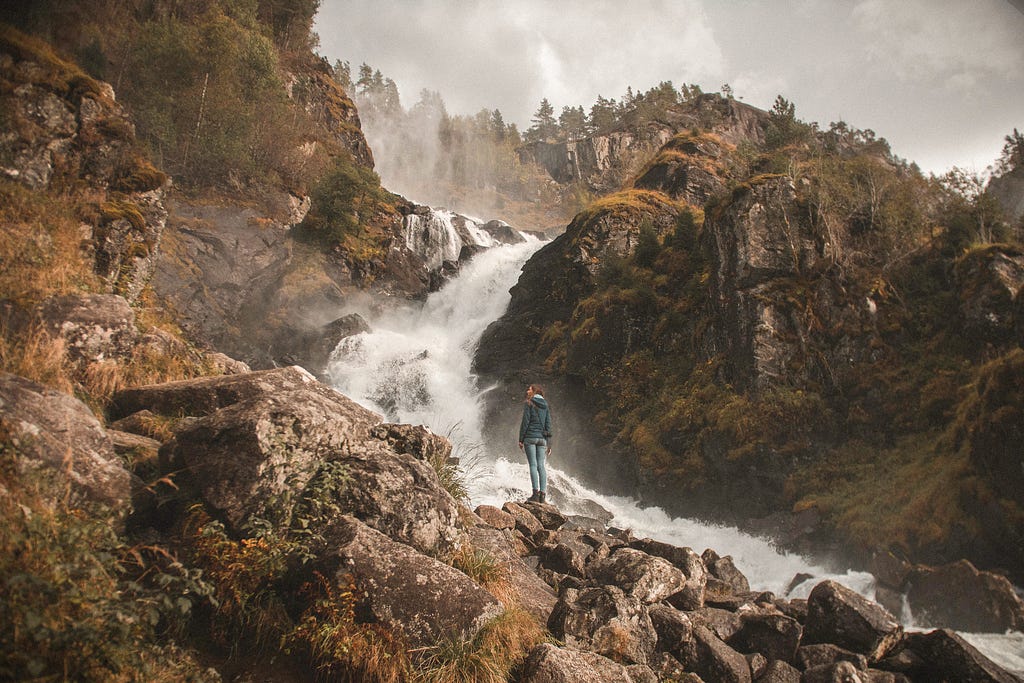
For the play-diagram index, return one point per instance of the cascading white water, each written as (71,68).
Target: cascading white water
(415,367)
(433,235)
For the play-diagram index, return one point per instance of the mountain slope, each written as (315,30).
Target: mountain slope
(785,326)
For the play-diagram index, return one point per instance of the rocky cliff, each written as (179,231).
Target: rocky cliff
(603,163)
(771,333)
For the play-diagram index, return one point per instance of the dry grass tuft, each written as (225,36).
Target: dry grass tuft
(491,657)
(38,356)
(486,570)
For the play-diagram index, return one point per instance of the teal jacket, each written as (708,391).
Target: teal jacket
(536,419)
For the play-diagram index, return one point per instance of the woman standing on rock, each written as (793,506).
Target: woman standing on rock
(534,432)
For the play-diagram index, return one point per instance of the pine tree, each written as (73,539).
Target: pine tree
(544,126)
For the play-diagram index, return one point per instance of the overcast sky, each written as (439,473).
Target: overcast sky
(942,80)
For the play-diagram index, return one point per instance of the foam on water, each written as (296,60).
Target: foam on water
(415,366)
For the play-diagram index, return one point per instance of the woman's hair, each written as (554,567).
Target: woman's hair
(537,389)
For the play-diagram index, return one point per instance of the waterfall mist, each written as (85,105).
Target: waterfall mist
(415,366)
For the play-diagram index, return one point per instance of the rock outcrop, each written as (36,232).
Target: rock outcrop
(64,128)
(423,599)
(606,161)
(56,441)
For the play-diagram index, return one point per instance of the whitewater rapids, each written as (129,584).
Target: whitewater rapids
(415,367)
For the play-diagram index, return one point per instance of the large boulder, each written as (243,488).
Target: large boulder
(716,661)
(264,436)
(94,327)
(498,519)
(525,521)
(836,614)
(426,600)
(206,395)
(547,663)
(604,620)
(649,579)
(961,597)
(990,282)
(768,632)
(675,633)
(945,656)
(58,438)
(691,595)
(723,569)
(529,590)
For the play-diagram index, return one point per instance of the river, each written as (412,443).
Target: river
(415,366)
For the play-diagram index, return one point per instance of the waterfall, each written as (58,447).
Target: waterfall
(415,366)
(436,236)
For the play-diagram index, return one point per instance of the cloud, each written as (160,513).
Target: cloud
(952,43)
(510,55)
(932,76)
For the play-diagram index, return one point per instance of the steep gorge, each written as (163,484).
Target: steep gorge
(731,345)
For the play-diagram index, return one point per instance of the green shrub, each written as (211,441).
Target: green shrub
(346,204)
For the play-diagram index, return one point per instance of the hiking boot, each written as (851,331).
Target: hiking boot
(540,497)
(535,498)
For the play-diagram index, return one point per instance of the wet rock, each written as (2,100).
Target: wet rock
(547,515)
(774,635)
(691,595)
(888,569)
(403,589)
(56,438)
(647,578)
(716,661)
(604,620)
(944,655)
(810,656)
(531,593)
(564,559)
(836,614)
(675,633)
(499,519)
(503,232)
(723,569)
(961,597)
(547,663)
(525,521)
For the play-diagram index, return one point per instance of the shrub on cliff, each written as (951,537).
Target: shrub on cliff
(348,207)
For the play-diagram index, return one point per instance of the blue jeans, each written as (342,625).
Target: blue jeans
(536,450)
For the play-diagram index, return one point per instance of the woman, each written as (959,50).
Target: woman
(534,432)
